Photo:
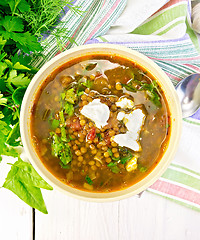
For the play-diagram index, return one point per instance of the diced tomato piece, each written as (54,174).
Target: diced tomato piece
(92,133)
(75,125)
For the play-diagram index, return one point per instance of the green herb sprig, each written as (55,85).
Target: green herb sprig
(151,89)
(22,24)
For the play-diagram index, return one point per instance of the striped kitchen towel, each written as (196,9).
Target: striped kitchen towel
(161,30)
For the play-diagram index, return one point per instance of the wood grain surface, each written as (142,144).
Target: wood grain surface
(145,218)
(15,217)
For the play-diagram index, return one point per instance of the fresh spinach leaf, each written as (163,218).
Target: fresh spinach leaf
(25,182)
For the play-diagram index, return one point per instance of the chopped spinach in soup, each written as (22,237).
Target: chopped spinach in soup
(100,123)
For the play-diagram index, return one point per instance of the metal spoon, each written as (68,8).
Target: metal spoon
(188,91)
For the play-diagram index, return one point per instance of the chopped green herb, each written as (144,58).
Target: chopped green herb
(79,93)
(142,168)
(69,108)
(129,87)
(151,90)
(70,96)
(99,136)
(62,96)
(167,125)
(111,155)
(123,160)
(115,159)
(68,166)
(88,179)
(55,124)
(101,183)
(90,66)
(63,134)
(110,152)
(62,118)
(80,89)
(46,114)
(88,83)
(60,149)
(132,75)
(71,138)
(113,167)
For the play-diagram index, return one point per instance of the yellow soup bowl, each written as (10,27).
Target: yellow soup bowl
(134,56)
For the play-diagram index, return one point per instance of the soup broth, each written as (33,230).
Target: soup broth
(100,123)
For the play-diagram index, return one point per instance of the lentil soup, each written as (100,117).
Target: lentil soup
(100,123)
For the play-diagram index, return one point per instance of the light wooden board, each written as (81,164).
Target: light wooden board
(70,218)
(148,217)
(15,217)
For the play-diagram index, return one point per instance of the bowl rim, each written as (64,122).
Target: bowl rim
(125,52)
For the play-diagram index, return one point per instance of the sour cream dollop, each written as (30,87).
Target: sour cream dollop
(134,122)
(97,112)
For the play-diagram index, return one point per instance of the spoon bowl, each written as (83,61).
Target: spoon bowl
(188,91)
